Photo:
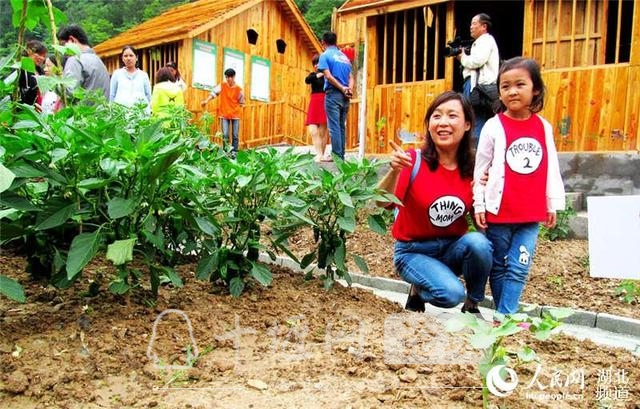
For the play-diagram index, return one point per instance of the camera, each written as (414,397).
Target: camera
(456,46)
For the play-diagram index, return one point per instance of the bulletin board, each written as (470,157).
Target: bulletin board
(260,78)
(234,59)
(204,65)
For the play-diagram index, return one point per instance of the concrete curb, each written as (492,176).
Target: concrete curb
(603,321)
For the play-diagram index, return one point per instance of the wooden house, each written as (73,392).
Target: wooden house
(268,42)
(589,51)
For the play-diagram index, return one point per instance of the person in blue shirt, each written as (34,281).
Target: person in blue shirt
(338,87)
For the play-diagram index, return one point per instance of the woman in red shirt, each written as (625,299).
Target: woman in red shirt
(433,244)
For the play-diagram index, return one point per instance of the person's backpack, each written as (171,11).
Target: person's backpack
(484,96)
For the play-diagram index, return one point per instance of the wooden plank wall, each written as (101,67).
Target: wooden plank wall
(593,109)
(392,109)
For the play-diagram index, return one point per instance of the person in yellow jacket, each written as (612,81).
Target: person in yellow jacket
(230,108)
(165,93)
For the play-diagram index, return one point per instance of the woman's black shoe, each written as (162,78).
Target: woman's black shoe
(414,302)
(471,310)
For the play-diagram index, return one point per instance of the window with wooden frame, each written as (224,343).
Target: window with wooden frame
(580,33)
(408,45)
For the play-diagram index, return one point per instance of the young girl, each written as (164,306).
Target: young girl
(524,188)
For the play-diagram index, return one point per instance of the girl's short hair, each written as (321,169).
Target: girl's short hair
(532,67)
(315,59)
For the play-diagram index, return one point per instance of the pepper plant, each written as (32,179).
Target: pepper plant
(329,202)
(246,192)
(490,337)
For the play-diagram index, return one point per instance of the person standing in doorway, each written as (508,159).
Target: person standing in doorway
(87,68)
(316,115)
(230,109)
(480,66)
(338,87)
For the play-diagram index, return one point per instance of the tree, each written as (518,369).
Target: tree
(318,13)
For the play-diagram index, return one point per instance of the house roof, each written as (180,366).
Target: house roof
(191,19)
(370,7)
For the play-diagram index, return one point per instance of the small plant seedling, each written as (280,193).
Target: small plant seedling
(490,338)
(628,291)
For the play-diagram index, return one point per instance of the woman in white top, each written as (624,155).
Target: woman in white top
(130,85)
(51,102)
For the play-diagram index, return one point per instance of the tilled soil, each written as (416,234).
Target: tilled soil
(291,345)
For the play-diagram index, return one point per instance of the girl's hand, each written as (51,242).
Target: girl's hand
(481,220)
(399,158)
(551,220)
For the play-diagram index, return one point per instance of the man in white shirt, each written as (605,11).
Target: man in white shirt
(481,65)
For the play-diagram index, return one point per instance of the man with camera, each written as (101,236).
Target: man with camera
(480,65)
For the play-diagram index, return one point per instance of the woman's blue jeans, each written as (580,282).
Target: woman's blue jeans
(235,126)
(434,266)
(513,248)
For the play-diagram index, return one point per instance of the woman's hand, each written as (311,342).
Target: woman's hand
(399,158)
(481,220)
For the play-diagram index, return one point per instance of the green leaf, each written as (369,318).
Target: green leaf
(119,207)
(345,198)
(339,256)
(11,289)
(173,276)
(362,265)
(51,218)
(6,178)
(163,164)
(92,183)
(526,354)
(119,287)
(206,266)
(26,170)
(83,248)
(243,181)
(236,286)
(542,335)
(377,224)
(121,251)
(206,226)
(560,313)
(13,201)
(454,324)
(482,341)
(347,223)
(261,273)
(508,328)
